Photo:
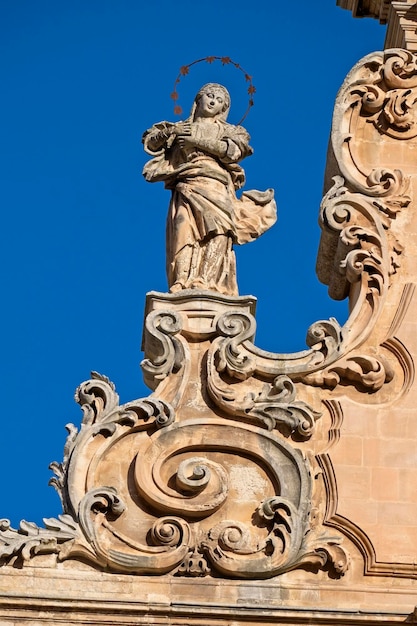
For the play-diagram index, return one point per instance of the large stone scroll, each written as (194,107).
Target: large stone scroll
(212,474)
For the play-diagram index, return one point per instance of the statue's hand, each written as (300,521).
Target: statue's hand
(182,128)
(185,141)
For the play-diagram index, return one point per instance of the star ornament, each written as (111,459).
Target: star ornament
(185,70)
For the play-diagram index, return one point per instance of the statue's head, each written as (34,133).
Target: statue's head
(213,100)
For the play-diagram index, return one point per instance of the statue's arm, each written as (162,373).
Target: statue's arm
(237,140)
(233,146)
(156,138)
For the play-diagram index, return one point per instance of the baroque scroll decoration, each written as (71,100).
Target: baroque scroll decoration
(179,504)
(220,471)
(360,253)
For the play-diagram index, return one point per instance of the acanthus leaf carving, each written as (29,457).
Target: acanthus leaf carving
(60,469)
(270,404)
(232,550)
(102,415)
(366,373)
(391,96)
(30,540)
(276,406)
(361,253)
(379,90)
(102,412)
(137,412)
(184,486)
(326,552)
(97,398)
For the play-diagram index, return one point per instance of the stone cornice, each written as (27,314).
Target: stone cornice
(402,26)
(400,15)
(367,8)
(99,612)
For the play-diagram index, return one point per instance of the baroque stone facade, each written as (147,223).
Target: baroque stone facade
(254,487)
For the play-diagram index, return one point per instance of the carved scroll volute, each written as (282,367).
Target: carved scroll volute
(359,250)
(104,422)
(189,469)
(376,99)
(167,363)
(163,350)
(187,508)
(362,262)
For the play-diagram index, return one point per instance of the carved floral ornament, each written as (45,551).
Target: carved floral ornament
(217,472)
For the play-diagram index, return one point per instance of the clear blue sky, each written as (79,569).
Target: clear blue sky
(82,237)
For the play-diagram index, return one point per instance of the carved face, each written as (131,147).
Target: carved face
(210,103)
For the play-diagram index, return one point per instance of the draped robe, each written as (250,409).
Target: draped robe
(205,217)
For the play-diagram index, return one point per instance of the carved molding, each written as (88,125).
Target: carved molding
(373,567)
(401,31)
(237,356)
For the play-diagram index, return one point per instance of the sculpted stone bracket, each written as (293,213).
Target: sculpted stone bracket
(263,391)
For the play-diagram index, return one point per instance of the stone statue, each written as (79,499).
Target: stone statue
(198,160)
